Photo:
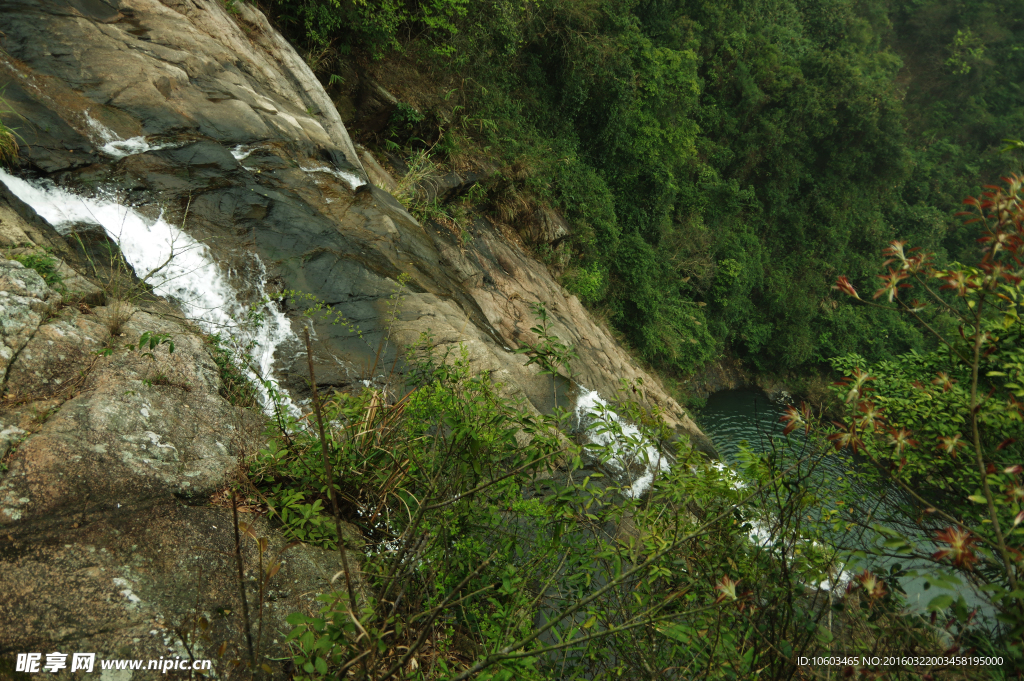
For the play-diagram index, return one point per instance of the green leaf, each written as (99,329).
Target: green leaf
(886,530)
(297,618)
(940,602)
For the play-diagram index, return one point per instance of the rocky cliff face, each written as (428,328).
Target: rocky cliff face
(240,144)
(108,461)
(183,110)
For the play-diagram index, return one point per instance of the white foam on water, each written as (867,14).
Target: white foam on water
(840,581)
(735,481)
(241,152)
(627,446)
(351,179)
(129,147)
(275,331)
(119,148)
(762,535)
(175,264)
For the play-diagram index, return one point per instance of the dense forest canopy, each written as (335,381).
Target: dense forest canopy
(722,162)
(731,173)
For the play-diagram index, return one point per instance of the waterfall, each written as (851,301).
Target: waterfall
(627,449)
(118,148)
(351,179)
(177,267)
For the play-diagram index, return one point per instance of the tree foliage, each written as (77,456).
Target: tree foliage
(492,547)
(951,420)
(721,162)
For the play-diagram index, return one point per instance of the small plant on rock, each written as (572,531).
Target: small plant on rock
(45,266)
(153,340)
(8,136)
(119,311)
(553,356)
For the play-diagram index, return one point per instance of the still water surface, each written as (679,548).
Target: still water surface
(734,418)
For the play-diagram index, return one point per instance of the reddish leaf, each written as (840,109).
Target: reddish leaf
(892,281)
(951,444)
(960,546)
(728,589)
(900,439)
(844,285)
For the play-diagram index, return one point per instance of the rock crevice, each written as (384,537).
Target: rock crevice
(210,121)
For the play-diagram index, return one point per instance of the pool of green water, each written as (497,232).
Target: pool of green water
(744,417)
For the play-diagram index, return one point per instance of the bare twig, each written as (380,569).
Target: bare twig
(330,472)
(241,581)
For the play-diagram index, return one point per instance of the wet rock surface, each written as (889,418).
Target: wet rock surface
(108,541)
(294,195)
(180,109)
(128,68)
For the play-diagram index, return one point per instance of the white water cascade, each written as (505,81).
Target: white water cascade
(627,450)
(626,447)
(352,180)
(114,146)
(176,265)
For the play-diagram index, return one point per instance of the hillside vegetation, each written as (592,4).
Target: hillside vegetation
(730,173)
(720,163)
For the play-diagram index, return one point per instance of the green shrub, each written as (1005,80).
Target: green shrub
(8,146)
(589,283)
(944,426)
(236,387)
(45,265)
(374,25)
(8,137)
(778,127)
(478,566)
(494,547)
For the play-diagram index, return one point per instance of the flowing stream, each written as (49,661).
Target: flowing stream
(630,455)
(175,264)
(184,270)
(733,418)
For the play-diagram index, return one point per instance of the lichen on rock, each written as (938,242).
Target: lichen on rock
(180,111)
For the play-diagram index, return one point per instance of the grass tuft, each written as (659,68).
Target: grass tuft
(8,136)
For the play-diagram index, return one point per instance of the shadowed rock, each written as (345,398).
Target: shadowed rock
(211,120)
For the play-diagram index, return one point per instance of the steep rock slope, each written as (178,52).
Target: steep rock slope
(107,541)
(182,110)
(257,158)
